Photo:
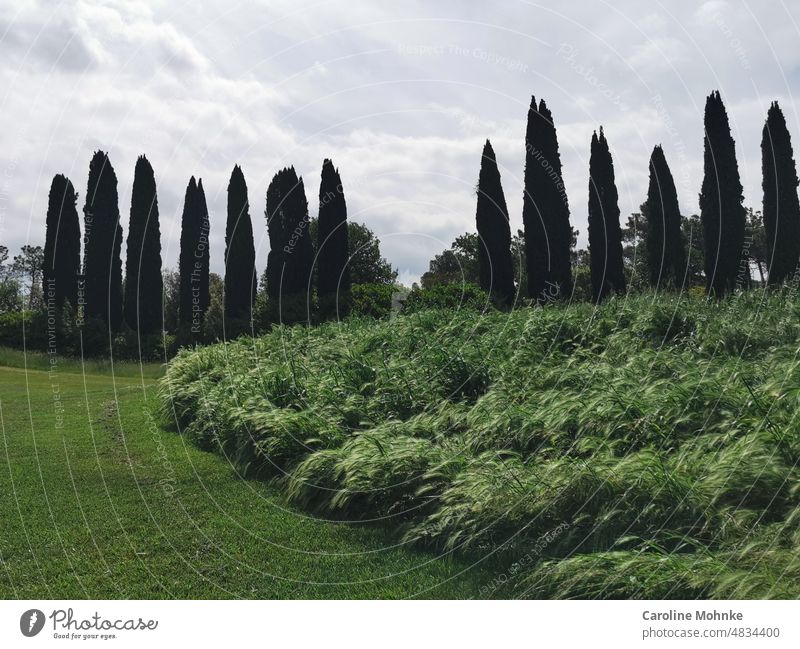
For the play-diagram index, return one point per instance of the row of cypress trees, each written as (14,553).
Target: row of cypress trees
(549,237)
(95,284)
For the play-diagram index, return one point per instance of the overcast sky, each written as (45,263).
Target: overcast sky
(401,95)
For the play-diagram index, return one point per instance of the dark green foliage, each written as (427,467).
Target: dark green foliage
(289,264)
(203,254)
(447,296)
(193,263)
(605,235)
(692,236)
(102,235)
(545,212)
(144,287)
(240,252)
(721,209)
(491,217)
(666,257)
(372,300)
(621,450)
(366,264)
(27,266)
(781,208)
(457,265)
(332,249)
(62,248)
(460,263)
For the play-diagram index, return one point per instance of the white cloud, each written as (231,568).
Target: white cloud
(270,84)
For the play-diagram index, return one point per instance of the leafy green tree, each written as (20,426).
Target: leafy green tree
(366,263)
(171,280)
(721,209)
(756,242)
(460,263)
(10,299)
(102,233)
(62,248)
(634,255)
(781,207)
(143,282)
(457,265)
(214,324)
(28,267)
(605,235)
(491,217)
(692,235)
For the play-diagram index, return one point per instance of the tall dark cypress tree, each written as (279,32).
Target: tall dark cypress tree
(193,263)
(290,259)
(721,209)
(781,209)
(605,235)
(62,248)
(545,212)
(491,217)
(144,287)
(333,271)
(203,252)
(666,257)
(102,265)
(240,252)
(186,262)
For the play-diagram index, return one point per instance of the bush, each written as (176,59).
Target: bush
(372,300)
(447,296)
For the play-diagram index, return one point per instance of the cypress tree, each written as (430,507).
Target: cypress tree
(333,271)
(62,248)
(189,235)
(193,264)
(605,234)
(666,257)
(781,209)
(494,252)
(721,209)
(102,265)
(545,212)
(290,258)
(144,286)
(202,254)
(240,252)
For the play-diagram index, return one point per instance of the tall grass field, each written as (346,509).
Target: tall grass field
(646,448)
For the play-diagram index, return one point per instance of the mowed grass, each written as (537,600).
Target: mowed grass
(33,360)
(98,501)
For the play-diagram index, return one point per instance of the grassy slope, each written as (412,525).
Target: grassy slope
(111,506)
(648,448)
(32,360)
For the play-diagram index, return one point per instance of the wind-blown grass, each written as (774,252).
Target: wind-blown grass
(645,448)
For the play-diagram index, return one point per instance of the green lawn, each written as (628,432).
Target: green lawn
(100,502)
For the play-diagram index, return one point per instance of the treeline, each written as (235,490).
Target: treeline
(87,303)
(313,274)
(544,256)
